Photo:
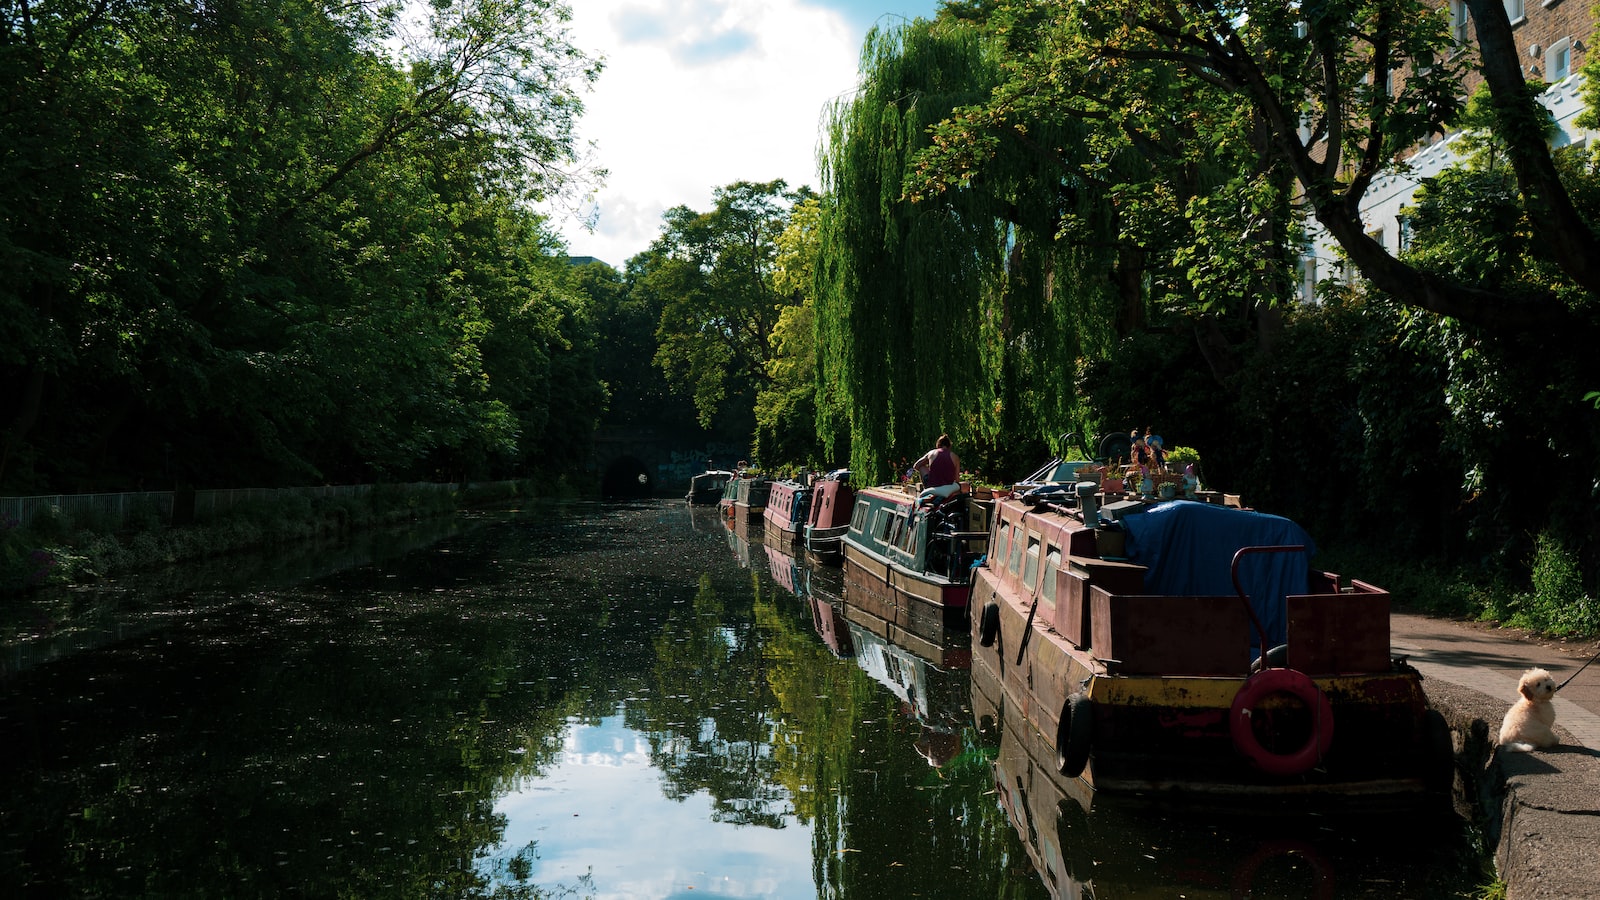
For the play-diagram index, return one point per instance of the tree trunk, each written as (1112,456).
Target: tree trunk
(1519,122)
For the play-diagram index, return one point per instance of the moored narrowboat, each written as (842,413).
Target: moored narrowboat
(832,501)
(1188,648)
(705,489)
(788,502)
(744,502)
(910,562)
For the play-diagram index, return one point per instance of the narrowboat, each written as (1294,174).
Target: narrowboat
(832,501)
(1086,844)
(788,502)
(909,561)
(705,489)
(744,501)
(1187,648)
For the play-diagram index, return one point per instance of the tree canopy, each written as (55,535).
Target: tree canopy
(264,242)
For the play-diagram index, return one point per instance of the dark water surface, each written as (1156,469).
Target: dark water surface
(573,700)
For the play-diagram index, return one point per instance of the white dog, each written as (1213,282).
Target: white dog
(1528,722)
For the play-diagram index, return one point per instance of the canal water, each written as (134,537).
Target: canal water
(578,700)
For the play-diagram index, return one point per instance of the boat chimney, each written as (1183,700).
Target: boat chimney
(1086,502)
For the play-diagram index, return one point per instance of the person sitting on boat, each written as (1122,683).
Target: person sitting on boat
(939,468)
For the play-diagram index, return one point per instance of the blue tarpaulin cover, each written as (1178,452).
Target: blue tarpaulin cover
(1189,550)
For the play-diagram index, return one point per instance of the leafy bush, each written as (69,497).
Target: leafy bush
(1558,603)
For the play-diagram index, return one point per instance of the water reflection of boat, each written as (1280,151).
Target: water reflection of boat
(1088,844)
(739,543)
(910,561)
(832,501)
(788,505)
(1137,667)
(706,518)
(705,489)
(935,695)
(786,569)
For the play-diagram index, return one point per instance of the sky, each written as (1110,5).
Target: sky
(697,94)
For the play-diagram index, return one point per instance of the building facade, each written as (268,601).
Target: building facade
(1553,39)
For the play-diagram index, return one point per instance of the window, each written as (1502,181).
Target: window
(858,517)
(1458,21)
(882,527)
(1558,61)
(1015,564)
(1403,232)
(1030,571)
(1002,541)
(907,529)
(1052,564)
(1514,11)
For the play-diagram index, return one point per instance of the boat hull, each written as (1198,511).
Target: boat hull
(909,564)
(788,502)
(1159,677)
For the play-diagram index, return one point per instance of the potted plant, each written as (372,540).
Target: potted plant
(1179,461)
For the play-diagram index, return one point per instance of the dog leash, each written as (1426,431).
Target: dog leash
(1575,674)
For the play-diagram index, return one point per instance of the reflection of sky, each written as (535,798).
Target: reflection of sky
(601,809)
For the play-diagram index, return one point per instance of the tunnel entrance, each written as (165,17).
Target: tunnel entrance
(627,477)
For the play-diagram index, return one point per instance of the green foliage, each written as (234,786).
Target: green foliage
(280,244)
(1558,603)
(713,275)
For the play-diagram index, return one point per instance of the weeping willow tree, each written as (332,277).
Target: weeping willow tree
(946,299)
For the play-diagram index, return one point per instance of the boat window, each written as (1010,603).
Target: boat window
(907,538)
(1052,564)
(1016,551)
(1030,569)
(884,527)
(858,517)
(1002,541)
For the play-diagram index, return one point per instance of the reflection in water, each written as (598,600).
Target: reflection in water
(577,700)
(583,696)
(590,815)
(935,698)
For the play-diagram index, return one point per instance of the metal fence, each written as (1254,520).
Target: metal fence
(117,510)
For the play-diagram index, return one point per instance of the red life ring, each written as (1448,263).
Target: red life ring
(1281,681)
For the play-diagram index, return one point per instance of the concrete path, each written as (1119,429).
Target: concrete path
(1489,660)
(1543,807)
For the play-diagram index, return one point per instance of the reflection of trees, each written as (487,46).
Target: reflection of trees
(708,722)
(345,739)
(884,822)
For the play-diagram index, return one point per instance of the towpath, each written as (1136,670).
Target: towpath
(1489,660)
(1543,806)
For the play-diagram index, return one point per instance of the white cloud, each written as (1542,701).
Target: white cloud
(697,94)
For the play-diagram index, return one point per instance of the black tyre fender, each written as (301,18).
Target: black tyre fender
(989,624)
(1074,734)
(1276,658)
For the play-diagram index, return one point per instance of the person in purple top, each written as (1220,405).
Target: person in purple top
(939,468)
